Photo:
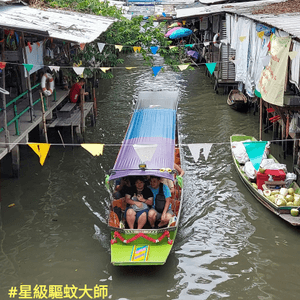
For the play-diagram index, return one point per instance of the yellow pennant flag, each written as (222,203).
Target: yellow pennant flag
(135,49)
(293,54)
(104,69)
(94,149)
(41,149)
(260,34)
(242,38)
(119,47)
(171,47)
(129,68)
(182,67)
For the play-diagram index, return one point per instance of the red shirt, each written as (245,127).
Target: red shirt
(75,93)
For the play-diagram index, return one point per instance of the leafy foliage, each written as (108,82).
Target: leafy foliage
(128,33)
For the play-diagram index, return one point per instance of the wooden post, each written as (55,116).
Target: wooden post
(82,112)
(95,105)
(296,150)
(43,117)
(260,118)
(28,79)
(15,159)
(7,139)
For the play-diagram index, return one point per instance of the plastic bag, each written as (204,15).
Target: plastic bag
(294,125)
(290,177)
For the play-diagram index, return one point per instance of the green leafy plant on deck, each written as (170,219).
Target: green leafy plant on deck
(128,33)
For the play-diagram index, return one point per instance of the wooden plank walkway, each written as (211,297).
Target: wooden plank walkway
(75,117)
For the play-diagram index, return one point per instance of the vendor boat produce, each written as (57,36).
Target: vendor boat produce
(148,149)
(269,184)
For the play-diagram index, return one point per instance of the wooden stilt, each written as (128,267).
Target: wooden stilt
(260,118)
(7,138)
(44,119)
(15,159)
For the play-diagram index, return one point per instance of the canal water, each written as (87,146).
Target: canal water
(228,245)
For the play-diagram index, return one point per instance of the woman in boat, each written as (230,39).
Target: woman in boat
(138,199)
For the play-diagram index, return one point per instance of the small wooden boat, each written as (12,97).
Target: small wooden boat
(284,212)
(237,100)
(153,126)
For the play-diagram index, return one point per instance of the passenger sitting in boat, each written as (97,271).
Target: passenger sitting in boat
(168,182)
(122,185)
(138,198)
(161,209)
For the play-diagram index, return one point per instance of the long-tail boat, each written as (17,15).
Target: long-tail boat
(282,209)
(149,148)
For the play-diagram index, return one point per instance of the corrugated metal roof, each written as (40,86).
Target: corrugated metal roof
(289,23)
(64,25)
(206,10)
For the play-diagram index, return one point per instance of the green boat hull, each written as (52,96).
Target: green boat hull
(122,254)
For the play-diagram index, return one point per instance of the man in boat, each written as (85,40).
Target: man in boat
(76,90)
(161,209)
(138,198)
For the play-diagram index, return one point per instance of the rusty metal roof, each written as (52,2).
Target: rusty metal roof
(60,24)
(225,7)
(288,22)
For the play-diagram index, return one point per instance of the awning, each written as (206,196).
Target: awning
(59,24)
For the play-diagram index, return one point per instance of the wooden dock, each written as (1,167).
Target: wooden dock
(25,124)
(70,115)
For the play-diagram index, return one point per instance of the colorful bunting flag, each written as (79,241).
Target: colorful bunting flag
(100,46)
(28,67)
(164,14)
(94,149)
(242,38)
(78,70)
(171,47)
(257,93)
(255,151)
(189,45)
(260,34)
(129,68)
(211,67)
(82,45)
(2,65)
(182,67)
(103,69)
(119,47)
(55,68)
(145,152)
(137,49)
(154,49)
(195,150)
(156,70)
(41,149)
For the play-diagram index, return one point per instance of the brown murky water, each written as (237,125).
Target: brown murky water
(228,245)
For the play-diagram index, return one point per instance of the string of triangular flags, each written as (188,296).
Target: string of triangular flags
(79,70)
(255,150)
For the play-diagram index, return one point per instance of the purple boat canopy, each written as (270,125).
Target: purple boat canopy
(149,144)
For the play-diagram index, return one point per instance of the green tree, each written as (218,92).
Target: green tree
(125,32)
